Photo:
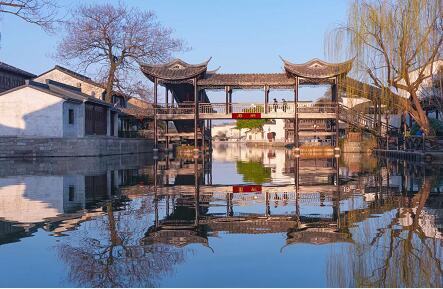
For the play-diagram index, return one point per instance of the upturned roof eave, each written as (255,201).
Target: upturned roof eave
(337,69)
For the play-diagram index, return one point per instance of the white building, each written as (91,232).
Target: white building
(272,131)
(54,110)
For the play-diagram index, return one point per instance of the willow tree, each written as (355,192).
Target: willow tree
(395,43)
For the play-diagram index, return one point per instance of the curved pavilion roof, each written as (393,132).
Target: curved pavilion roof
(317,69)
(175,70)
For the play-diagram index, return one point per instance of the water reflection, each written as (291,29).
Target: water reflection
(133,221)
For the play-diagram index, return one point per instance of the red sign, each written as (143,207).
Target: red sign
(246,189)
(246,115)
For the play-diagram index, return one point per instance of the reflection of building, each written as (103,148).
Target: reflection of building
(33,199)
(58,197)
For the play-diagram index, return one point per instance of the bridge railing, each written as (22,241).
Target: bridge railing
(223,108)
(176,109)
(288,108)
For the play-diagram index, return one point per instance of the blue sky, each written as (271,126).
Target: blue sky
(240,35)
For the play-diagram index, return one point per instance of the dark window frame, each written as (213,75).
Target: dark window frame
(71,116)
(71,193)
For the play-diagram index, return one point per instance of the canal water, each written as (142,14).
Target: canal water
(240,217)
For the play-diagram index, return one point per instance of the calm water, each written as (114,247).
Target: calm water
(242,217)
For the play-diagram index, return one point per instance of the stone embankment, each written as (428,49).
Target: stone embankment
(13,147)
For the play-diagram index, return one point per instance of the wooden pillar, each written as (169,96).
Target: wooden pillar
(296,142)
(203,140)
(266,89)
(230,99)
(197,192)
(196,120)
(337,124)
(227,99)
(297,173)
(155,193)
(155,115)
(210,135)
(167,122)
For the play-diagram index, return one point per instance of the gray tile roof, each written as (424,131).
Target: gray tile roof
(174,70)
(15,70)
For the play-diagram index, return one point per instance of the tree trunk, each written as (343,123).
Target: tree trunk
(419,114)
(110,83)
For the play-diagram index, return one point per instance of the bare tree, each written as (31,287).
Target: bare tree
(39,12)
(395,43)
(116,39)
(110,252)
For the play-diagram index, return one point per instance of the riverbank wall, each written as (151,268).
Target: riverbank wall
(13,147)
(414,156)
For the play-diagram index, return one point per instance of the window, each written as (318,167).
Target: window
(71,116)
(71,193)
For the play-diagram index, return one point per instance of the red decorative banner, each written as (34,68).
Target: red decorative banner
(246,115)
(247,189)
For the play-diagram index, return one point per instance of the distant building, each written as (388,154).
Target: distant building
(11,76)
(53,109)
(84,83)
(272,131)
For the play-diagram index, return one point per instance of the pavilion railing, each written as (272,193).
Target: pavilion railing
(176,109)
(223,108)
(288,108)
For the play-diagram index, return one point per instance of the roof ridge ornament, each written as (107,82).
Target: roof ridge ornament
(175,70)
(317,68)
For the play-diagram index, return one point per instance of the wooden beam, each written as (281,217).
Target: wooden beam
(155,114)
(195,115)
(296,144)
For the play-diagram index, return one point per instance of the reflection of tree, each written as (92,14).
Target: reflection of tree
(107,252)
(392,250)
(254,172)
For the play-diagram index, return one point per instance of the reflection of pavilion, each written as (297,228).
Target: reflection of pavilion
(199,224)
(318,236)
(196,213)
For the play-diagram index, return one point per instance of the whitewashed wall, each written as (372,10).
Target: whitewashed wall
(229,130)
(30,112)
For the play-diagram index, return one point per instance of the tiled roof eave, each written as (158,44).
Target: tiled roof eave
(317,69)
(167,74)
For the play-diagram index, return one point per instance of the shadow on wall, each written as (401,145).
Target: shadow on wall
(51,121)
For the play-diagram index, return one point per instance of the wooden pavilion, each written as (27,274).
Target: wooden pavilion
(192,112)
